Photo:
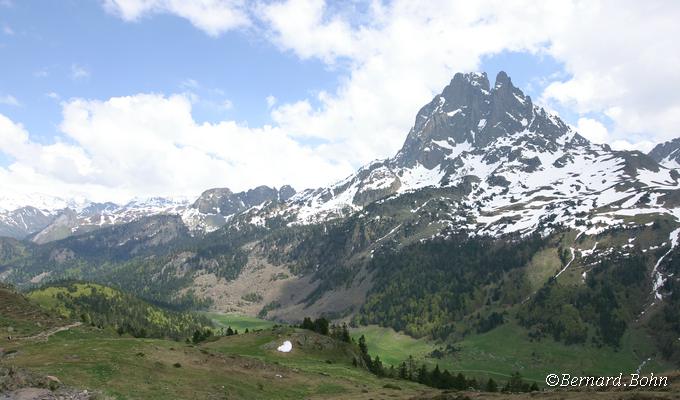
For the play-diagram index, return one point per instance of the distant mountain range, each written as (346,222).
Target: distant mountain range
(491,142)
(43,218)
(493,206)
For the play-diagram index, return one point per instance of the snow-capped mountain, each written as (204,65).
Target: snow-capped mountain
(514,168)
(667,154)
(215,207)
(22,214)
(519,168)
(91,216)
(481,162)
(54,218)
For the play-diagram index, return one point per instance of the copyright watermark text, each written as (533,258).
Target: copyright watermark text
(632,381)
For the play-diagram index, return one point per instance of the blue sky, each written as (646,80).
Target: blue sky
(232,73)
(298,91)
(162,54)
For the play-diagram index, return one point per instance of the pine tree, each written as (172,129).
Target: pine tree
(447,380)
(436,377)
(363,350)
(377,367)
(423,375)
(411,368)
(345,334)
(459,382)
(307,324)
(491,386)
(321,326)
(403,371)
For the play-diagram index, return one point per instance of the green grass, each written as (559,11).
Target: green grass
(47,297)
(392,347)
(543,265)
(20,316)
(507,349)
(239,322)
(318,354)
(235,367)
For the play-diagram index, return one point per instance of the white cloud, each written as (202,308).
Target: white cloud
(620,58)
(623,59)
(79,72)
(620,61)
(596,132)
(150,144)
(302,26)
(53,95)
(644,146)
(212,16)
(63,162)
(403,54)
(592,130)
(9,100)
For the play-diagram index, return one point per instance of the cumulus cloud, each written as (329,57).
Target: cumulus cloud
(212,16)
(150,144)
(398,58)
(592,130)
(619,61)
(622,59)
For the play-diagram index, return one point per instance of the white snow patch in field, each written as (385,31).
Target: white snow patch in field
(286,347)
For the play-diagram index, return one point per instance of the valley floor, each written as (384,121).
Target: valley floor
(247,366)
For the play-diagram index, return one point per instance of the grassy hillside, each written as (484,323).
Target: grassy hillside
(235,367)
(499,352)
(21,317)
(103,306)
(393,347)
(247,366)
(507,349)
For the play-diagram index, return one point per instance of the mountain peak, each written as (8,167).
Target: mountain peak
(470,113)
(465,87)
(502,79)
(667,154)
(479,79)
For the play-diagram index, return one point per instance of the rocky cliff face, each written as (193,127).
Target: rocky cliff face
(224,202)
(520,168)
(667,154)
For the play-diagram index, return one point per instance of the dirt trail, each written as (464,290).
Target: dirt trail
(46,334)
